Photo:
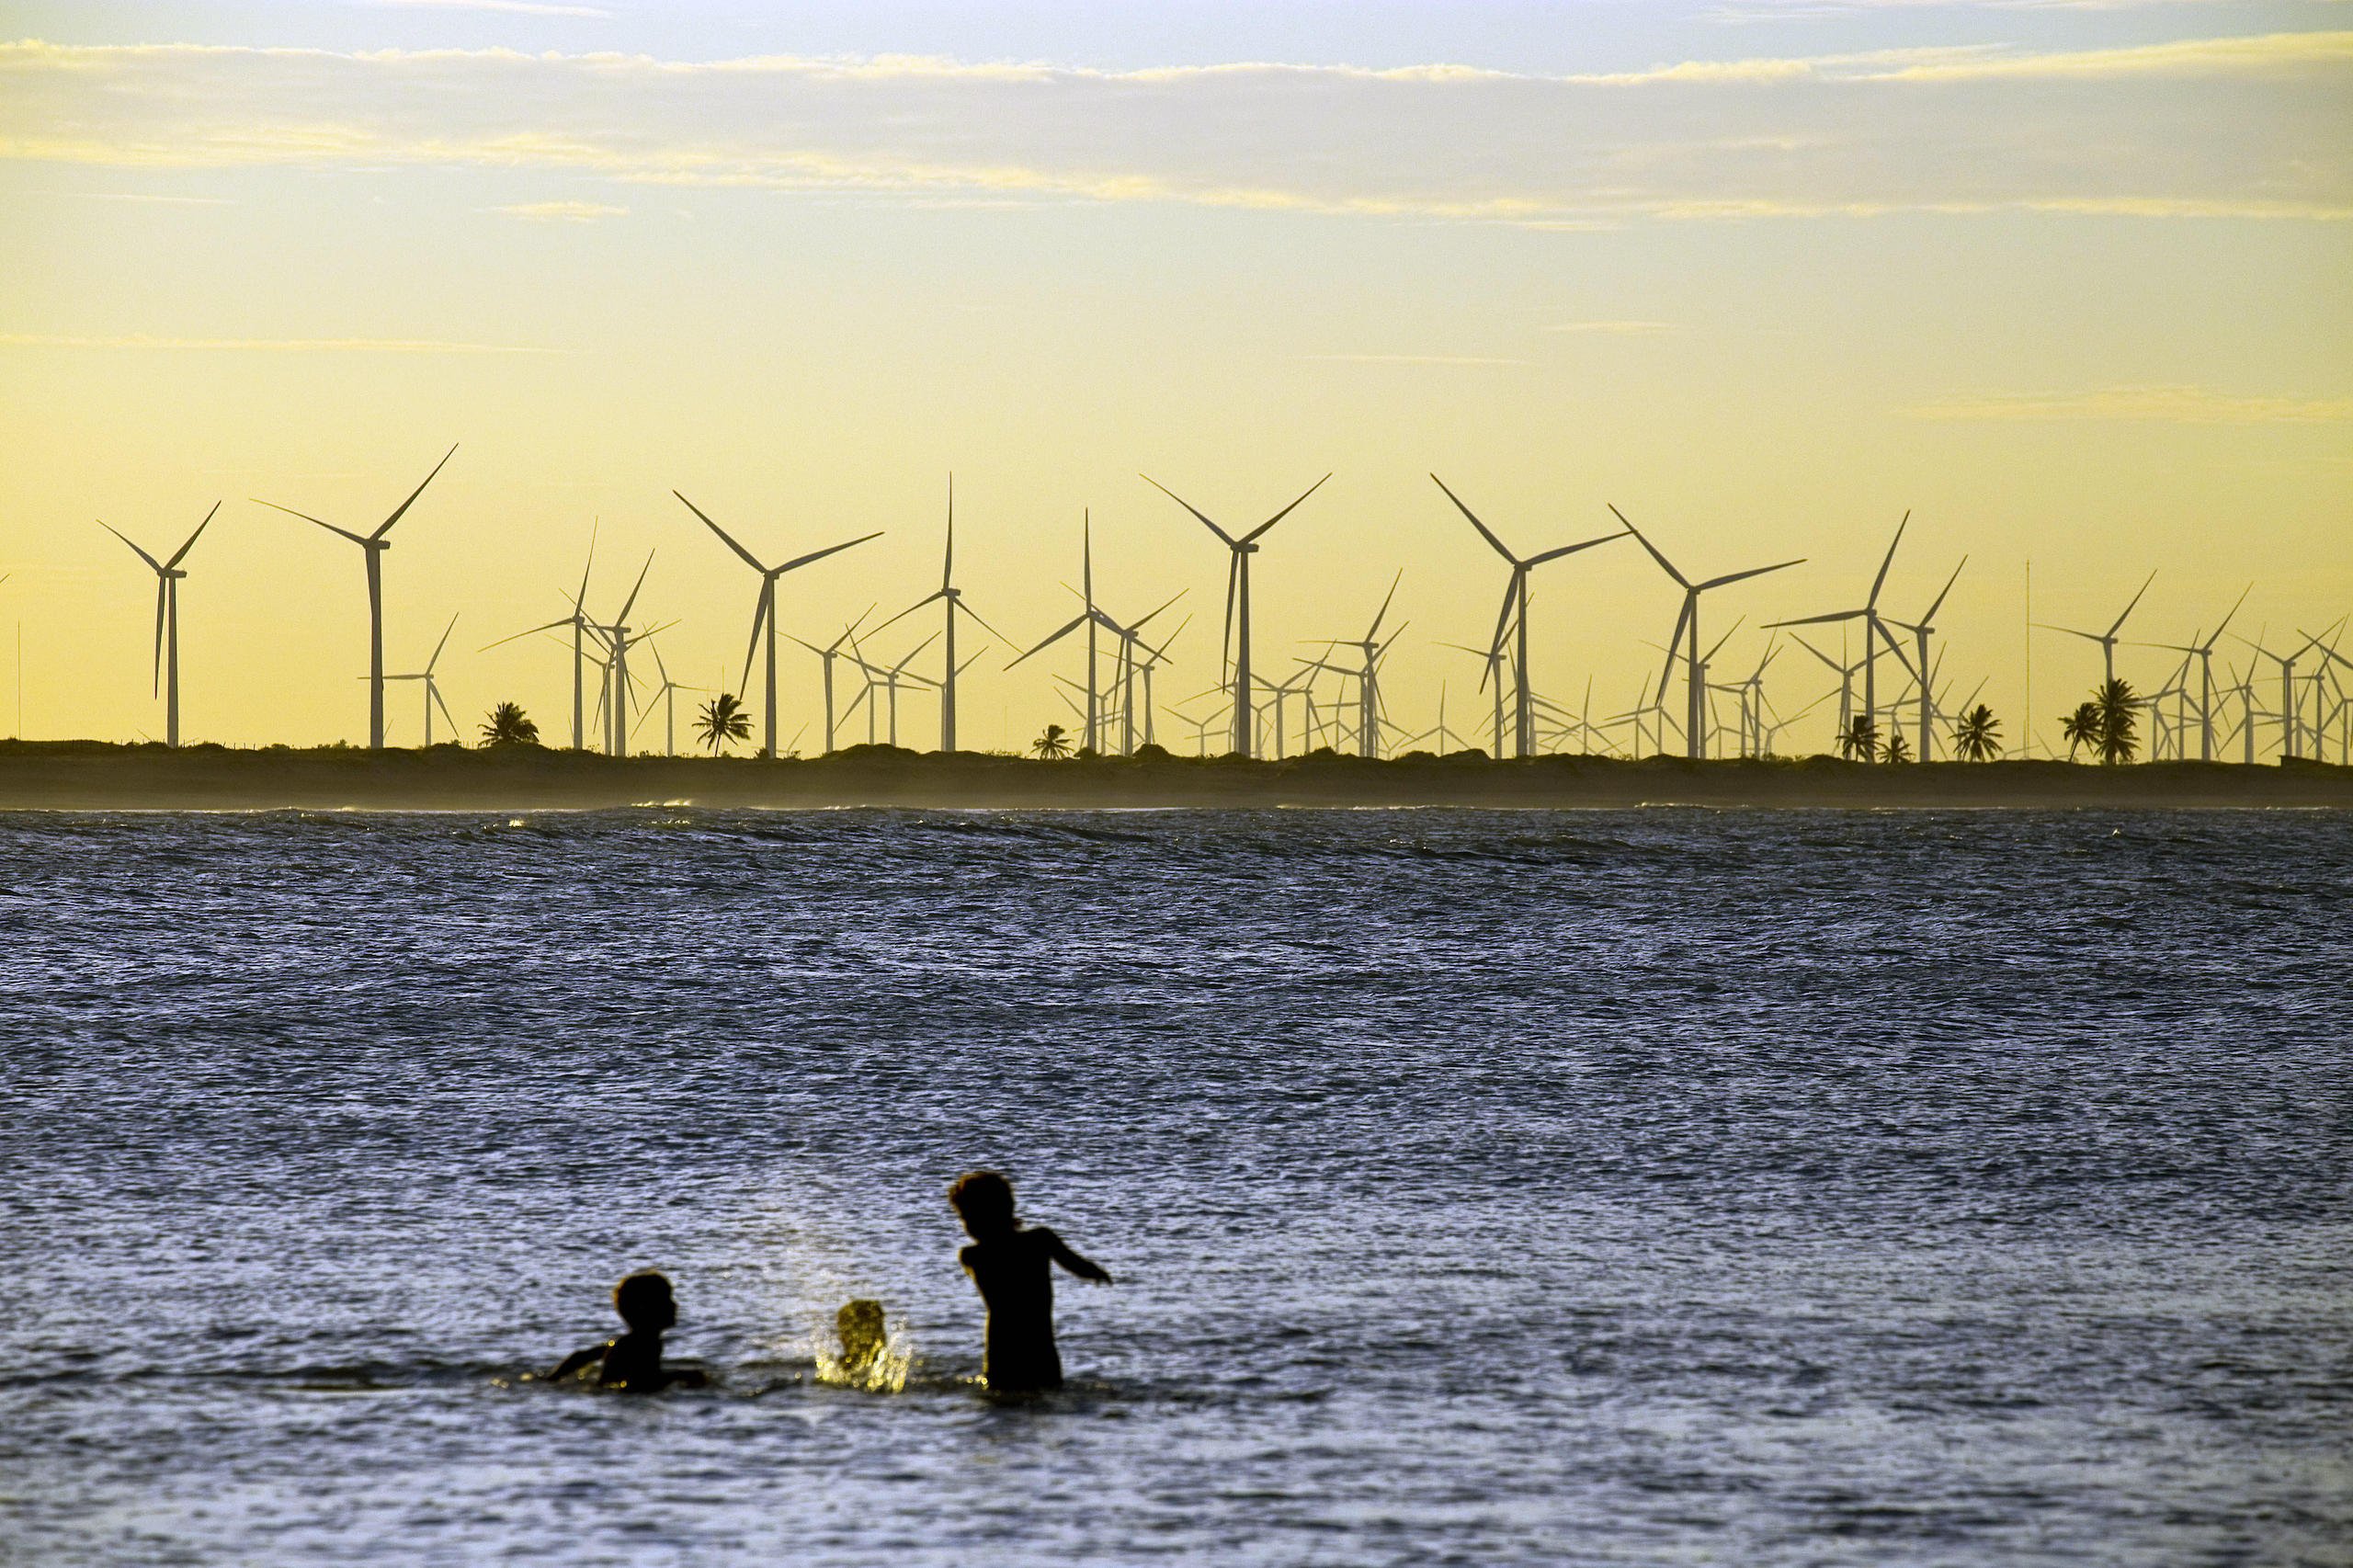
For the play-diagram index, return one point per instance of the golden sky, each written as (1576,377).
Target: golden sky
(2069,282)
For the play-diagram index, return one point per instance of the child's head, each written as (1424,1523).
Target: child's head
(644,1301)
(862,1328)
(984,1200)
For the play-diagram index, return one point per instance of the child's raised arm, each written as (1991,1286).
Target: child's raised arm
(1059,1250)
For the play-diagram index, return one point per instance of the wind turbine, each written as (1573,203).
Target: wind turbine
(1091,618)
(618,643)
(765,615)
(1238,591)
(1920,631)
(1695,738)
(2109,639)
(1846,673)
(2203,652)
(952,598)
(2290,712)
(579,623)
(374,545)
(1874,629)
(1515,608)
(432,687)
(167,619)
(669,693)
(826,655)
(1492,656)
(1369,678)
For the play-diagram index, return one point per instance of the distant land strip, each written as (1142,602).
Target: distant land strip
(71,776)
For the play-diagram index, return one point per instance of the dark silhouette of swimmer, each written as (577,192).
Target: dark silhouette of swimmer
(633,1361)
(861,1327)
(1008,1262)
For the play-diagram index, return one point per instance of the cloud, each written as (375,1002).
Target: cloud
(263,345)
(516,8)
(2216,128)
(563,211)
(2150,405)
(1618,328)
(1414,359)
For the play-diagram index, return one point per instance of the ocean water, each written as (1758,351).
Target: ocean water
(1647,1188)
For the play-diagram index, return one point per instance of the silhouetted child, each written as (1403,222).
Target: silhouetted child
(633,1361)
(1008,1262)
(861,1327)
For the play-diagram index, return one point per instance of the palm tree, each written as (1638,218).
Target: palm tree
(724,720)
(509,725)
(2118,720)
(1897,748)
(2081,728)
(1978,736)
(1859,739)
(1053,744)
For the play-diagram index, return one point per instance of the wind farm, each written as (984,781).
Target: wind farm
(1336,700)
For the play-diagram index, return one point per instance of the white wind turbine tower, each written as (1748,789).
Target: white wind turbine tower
(951,600)
(618,643)
(1237,592)
(826,655)
(1091,616)
(1492,658)
(763,616)
(579,622)
(1147,665)
(1875,629)
(1368,677)
(374,545)
(2109,639)
(669,694)
(168,576)
(1846,673)
(1687,623)
(432,687)
(890,679)
(1920,631)
(1515,607)
(2202,650)
(2291,717)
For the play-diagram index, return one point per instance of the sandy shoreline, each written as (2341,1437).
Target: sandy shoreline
(90,776)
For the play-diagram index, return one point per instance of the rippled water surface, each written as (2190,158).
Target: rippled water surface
(1598,1188)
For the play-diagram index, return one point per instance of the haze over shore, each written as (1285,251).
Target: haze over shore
(94,775)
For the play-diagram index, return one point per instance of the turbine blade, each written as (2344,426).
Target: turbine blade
(2226,619)
(438,646)
(1752,572)
(902,615)
(134,549)
(1386,599)
(1675,638)
(1069,628)
(1220,533)
(586,566)
(948,563)
(1883,565)
(534,630)
(759,619)
(1929,619)
(308,518)
(1641,538)
(181,554)
(629,603)
(1286,512)
(1485,532)
(400,511)
(2129,608)
(1573,549)
(749,558)
(433,689)
(800,561)
(162,591)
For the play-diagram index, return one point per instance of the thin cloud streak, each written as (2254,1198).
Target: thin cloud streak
(2154,404)
(563,211)
(263,345)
